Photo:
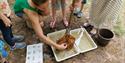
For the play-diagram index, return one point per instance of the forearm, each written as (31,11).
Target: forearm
(34,19)
(42,37)
(48,41)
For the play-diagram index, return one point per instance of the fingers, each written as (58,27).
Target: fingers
(64,45)
(8,24)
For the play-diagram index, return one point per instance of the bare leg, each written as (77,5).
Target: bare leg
(77,6)
(53,19)
(63,5)
(78,11)
(4,60)
(82,6)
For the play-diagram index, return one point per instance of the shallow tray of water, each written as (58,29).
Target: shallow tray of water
(86,44)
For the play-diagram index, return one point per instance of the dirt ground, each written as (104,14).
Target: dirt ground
(112,53)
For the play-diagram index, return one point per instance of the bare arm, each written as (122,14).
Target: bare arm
(34,19)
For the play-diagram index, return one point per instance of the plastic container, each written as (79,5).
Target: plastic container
(62,55)
(86,44)
(104,36)
(34,53)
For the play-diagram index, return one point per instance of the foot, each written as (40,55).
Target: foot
(4,60)
(52,23)
(88,27)
(41,23)
(76,10)
(79,14)
(93,31)
(65,22)
(18,46)
(18,38)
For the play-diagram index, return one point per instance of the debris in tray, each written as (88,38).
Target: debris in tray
(68,39)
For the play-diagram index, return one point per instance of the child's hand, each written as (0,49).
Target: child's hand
(7,23)
(6,20)
(62,46)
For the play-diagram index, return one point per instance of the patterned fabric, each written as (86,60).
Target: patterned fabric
(4,7)
(1,45)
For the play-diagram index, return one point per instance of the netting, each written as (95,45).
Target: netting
(104,13)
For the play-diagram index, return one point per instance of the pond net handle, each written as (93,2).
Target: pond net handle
(70,18)
(71,14)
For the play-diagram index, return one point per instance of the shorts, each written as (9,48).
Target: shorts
(19,14)
(58,4)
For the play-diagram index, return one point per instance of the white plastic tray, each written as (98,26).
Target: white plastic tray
(62,55)
(86,42)
(34,53)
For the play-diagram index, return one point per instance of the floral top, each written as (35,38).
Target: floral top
(4,7)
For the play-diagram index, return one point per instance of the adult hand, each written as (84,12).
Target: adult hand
(62,46)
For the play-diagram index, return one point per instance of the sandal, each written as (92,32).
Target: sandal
(76,11)
(90,29)
(79,14)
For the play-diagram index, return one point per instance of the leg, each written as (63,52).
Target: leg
(11,34)
(7,33)
(4,60)
(79,13)
(8,36)
(63,5)
(77,6)
(82,6)
(53,21)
